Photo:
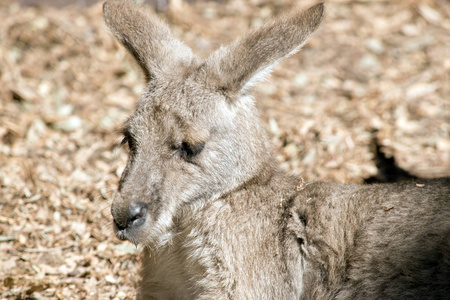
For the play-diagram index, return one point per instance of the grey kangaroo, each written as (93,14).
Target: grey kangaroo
(216,215)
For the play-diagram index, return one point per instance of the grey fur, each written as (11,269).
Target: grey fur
(219,219)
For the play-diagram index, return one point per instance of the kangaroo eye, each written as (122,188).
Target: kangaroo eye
(128,140)
(191,150)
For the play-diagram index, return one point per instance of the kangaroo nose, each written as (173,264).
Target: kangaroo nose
(136,217)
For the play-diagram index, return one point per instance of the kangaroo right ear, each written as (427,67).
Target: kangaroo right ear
(148,39)
(238,66)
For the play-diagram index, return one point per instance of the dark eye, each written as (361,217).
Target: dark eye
(191,150)
(128,140)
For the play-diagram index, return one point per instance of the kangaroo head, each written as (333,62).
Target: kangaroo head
(195,134)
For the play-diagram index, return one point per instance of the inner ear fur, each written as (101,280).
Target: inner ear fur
(148,39)
(252,57)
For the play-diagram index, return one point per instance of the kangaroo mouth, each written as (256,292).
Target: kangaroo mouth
(128,225)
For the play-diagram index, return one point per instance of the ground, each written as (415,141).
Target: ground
(376,73)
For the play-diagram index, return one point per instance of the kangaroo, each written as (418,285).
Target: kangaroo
(217,216)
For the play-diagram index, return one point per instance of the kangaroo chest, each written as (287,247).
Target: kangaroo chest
(240,257)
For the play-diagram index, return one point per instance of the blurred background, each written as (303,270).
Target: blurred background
(367,99)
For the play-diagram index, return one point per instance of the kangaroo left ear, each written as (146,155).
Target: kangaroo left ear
(148,39)
(250,59)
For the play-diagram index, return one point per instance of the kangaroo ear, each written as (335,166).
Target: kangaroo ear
(251,58)
(148,39)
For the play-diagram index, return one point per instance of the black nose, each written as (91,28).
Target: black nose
(136,217)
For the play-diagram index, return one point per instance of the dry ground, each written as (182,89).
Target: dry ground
(375,70)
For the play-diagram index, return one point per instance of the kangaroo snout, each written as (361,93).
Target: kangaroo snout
(128,220)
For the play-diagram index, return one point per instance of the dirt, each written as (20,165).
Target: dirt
(376,73)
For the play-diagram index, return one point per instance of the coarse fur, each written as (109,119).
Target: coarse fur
(219,219)
(381,241)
